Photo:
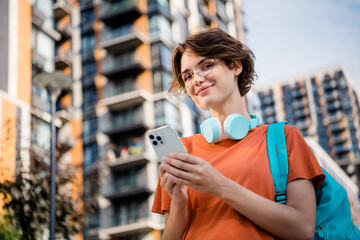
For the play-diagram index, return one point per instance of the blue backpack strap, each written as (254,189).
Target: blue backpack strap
(276,147)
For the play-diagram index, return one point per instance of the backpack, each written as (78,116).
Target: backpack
(333,216)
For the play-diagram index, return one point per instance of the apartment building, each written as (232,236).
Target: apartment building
(126,51)
(323,105)
(39,37)
(15,85)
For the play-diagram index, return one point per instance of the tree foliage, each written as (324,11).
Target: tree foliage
(27,199)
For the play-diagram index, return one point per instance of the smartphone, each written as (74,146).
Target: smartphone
(165,140)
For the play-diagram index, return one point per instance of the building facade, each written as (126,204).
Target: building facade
(39,36)
(323,105)
(15,85)
(126,51)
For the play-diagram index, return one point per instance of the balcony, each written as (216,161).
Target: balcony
(119,11)
(66,32)
(342,148)
(338,138)
(88,80)
(85,4)
(37,16)
(62,8)
(296,93)
(123,230)
(125,100)
(38,61)
(333,106)
(125,123)
(122,38)
(63,61)
(334,116)
(127,184)
(131,161)
(298,104)
(154,7)
(336,127)
(269,111)
(87,55)
(87,27)
(121,65)
(331,96)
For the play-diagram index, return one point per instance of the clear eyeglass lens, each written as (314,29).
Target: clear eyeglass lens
(202,69)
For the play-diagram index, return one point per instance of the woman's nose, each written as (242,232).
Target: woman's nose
(198,78)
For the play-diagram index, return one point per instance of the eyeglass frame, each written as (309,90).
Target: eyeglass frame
(197,71)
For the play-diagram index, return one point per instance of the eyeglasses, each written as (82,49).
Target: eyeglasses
(202,69)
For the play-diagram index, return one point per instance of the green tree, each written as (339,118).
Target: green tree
(27,196)
(7,230)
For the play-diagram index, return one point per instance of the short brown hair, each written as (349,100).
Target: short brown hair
(217,44)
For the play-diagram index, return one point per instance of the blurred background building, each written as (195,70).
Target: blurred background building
(118,53)
(323,105)
(126,59)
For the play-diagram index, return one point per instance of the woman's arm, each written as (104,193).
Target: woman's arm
(176,219)
(295,220)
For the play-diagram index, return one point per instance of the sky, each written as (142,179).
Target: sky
(294,37)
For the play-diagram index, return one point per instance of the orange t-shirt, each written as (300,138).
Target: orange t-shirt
(246,162)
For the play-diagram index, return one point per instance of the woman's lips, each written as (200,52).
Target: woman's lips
(204,89)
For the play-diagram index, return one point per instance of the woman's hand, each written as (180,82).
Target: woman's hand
(177,192)
(191,171)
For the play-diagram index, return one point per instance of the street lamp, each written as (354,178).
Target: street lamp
(54,83)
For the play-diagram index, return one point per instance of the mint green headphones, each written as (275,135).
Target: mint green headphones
(236,127)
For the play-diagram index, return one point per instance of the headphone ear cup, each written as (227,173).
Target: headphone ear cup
(211,129)
(236,126)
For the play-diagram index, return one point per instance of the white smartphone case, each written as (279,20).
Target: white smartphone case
(165,140)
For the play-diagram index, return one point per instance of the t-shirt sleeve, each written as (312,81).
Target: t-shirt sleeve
(162,200)
(302,162)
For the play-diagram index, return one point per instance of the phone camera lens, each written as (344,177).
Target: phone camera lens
(151,136)
(154,142)
(158,138)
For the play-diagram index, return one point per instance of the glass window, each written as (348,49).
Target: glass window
(88,42)
(44,46)
(160,27)
(91,154)
(161,56)
(41,134)
(46,7)
(87,16)
(90,126)
(161,81)
(89,68)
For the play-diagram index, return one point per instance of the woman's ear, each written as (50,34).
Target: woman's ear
(237,68)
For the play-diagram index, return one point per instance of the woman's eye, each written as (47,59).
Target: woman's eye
(207,66)
(187,77)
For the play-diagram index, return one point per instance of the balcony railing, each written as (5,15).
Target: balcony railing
(122,38)
(62,8)
(63,60)
(86,4)
(119,65)
(113,11)
(109,33)
(117,88)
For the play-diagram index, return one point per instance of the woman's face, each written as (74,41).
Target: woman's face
(209,83)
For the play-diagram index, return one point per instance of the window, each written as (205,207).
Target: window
(162,80)
(89,68)
(160,27)
(167,113)
(41,133)
(90,126)
(161,56)
(91,154)
(46,7)
(44,46)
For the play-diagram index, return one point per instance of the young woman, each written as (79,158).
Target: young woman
(222,188)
